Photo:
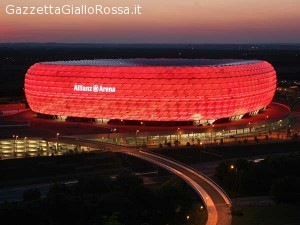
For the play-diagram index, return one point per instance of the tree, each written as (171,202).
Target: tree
(58,189)
(127,182)
(286,189)
(112,220)
(31,195)
(95,184)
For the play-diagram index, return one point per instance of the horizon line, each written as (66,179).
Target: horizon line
(154,43)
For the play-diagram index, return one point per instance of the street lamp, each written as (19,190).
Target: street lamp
(136,134)
(179,137)
(14,148)
(202,144)
(193,138)
(233,167)
(16,145)
(112,131)
(249,132)
(57,137)
(223,136)
(25,143)
(177,132)
(267,127)
(211,134)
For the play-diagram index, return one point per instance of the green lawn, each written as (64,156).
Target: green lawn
(281,214)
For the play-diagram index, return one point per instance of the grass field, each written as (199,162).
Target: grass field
(279,214)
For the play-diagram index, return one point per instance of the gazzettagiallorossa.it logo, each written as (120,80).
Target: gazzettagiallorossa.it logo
(73,10)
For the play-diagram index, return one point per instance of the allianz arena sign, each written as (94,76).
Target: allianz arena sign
(94,88)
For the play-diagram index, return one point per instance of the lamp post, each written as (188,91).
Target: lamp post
(57,137)
(249,133)
(203,144)
(114,130)
(25,145)
(136,135)
(176,142)
(179,139)
(267,128)
(16,145)
(233,167)
(193,138)
(279,129)
(214,132)
(15,149)
(266,118)
(200,151)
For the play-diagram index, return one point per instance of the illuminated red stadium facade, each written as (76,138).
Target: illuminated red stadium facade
(150,89)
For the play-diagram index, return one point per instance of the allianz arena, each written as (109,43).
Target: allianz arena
(151,89)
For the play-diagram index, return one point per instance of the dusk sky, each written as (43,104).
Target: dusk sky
(162,21)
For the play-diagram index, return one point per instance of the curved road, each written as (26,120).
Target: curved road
(216,201)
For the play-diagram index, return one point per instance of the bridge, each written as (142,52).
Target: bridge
(214,198)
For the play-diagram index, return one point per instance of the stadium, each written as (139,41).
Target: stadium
(145,102)
(196,90)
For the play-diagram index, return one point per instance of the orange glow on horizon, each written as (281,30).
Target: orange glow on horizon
(170,21)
